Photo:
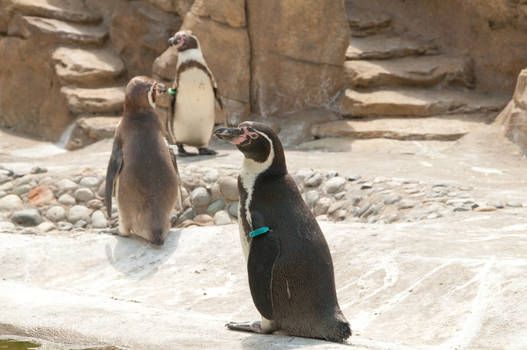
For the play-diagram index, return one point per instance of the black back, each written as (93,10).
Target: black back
(301,283)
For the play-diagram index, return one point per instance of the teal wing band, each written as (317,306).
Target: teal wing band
(259,231)
(172,91)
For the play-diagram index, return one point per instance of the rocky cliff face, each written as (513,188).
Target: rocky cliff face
(297,54)
(513,118)
(492,32)
(67,60)
(266,55)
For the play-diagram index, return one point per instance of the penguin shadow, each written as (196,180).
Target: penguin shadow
(276,341)
(138,258)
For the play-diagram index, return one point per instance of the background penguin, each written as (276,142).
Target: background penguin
(192,102)
(288,260)
(142,172)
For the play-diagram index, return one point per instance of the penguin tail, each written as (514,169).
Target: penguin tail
(341,332)
(338,329)
(158,237)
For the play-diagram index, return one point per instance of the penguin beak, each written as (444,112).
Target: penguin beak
(229,134)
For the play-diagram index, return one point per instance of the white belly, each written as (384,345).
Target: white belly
(243,238)
(194,115)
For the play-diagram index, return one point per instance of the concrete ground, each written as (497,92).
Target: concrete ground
(457,282)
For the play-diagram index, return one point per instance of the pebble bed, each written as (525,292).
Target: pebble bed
(41,202)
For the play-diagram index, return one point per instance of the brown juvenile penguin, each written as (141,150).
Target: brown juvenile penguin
(142,172)
(192,97)
(289,264)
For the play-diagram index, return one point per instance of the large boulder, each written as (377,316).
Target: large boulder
(139,32)
(30,98)
(513,118)
(298,52)
(88,130)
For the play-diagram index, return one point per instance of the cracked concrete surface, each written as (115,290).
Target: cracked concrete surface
(403,286)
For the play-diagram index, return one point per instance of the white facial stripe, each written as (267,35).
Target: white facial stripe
(150,96)
(250,171)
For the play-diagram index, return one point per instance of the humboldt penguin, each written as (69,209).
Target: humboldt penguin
(142,172)
(289,264)
(192,97)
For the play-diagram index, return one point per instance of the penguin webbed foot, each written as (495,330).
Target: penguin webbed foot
(112,231)
(255,327)
(183,153)
(204,151)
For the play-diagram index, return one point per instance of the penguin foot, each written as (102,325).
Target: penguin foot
(254,327)
(113,231)
(204,151)
(183,153)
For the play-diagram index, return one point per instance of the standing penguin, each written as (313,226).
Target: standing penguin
(288,260)
(142,172)
(192,98)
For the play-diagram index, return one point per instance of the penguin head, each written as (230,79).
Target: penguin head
(141,93)
(184,40)
(258,143)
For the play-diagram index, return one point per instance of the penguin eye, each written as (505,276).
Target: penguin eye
(252,134)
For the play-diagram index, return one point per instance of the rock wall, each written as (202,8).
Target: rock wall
(35,93)
(179,7)
(298,52)
(139,45)
(513,118)
(272,59)
(263,55)
(492,32)
(30,98)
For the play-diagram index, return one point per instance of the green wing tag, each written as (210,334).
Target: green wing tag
(259,231)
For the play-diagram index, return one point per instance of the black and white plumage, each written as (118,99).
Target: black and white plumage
(290,267)
(142,172)
(192,108)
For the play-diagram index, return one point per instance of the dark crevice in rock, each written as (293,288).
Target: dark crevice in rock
(14,35)
(251,56)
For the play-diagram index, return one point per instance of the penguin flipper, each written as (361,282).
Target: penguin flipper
(217,97)
(179,200)
(170,119)
(262,255)
(114,168)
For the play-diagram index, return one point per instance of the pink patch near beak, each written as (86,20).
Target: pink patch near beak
(247,135)
(180,44)
(239,140)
